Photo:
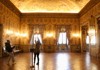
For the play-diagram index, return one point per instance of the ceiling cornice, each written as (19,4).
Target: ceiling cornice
(11,6)
(51,15)
(88,6)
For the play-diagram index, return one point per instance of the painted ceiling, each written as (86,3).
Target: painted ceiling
(50,6)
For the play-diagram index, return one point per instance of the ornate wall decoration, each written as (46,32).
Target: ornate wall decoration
(36,29)
(98,22)
(86,18)
(10,21)
(49,22)
(63,28)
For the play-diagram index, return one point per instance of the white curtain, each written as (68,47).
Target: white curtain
(32,40)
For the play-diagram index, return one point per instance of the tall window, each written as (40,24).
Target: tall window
(62,38)
(35,37)
(87,39)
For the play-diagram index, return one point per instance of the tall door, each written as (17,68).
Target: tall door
(1,29)
(99,33)
(99,38)
(84,39)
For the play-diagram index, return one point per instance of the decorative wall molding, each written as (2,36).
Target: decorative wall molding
(49,15)
(95,11)
(85,17)
(10,22)
(11,6)
(47,18)
(89,5)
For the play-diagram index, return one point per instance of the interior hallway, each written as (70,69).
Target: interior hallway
(53,61)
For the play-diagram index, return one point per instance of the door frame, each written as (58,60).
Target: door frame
(84,46)
(1,39)
(98,35)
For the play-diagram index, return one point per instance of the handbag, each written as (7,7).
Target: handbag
(32,50)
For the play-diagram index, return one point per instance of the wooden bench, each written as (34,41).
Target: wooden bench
(4,52)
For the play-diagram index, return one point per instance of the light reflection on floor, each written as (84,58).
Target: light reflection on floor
(53,61)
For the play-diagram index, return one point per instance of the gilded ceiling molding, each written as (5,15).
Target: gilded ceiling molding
(31,25)
(50,15)
(43,21)
(11,6)
(88,6)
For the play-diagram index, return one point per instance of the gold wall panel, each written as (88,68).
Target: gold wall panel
(85,19)
(10,21)
(49,22)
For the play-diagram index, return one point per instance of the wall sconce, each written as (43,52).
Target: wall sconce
(17,34)
(49,35)
(9,32)
(76,35)
(24,35)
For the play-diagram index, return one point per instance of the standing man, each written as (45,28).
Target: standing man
(37,51)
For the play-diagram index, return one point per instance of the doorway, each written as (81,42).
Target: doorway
(85,39)
(98,24)
(1,31)
(62,41)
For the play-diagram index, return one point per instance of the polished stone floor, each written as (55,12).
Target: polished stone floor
(53,61)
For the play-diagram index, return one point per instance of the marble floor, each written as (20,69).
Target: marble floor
(53,61)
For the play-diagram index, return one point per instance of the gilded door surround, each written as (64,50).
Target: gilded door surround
(35,29)
(67,30)
(98,31)
(1,33)
(84,33)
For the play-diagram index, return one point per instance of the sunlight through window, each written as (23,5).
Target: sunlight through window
(36,37)
(87,40)
(62,38)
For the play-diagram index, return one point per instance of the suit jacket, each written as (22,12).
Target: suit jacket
(8,47)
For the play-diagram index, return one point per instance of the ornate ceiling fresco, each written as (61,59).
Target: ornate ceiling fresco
(50,6)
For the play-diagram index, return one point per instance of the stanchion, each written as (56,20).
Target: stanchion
(32,51)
